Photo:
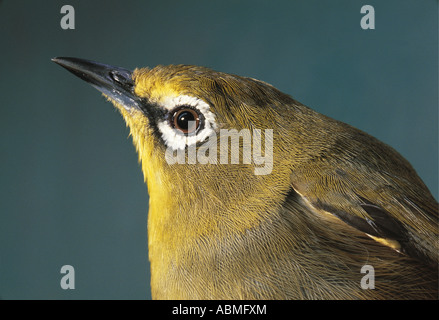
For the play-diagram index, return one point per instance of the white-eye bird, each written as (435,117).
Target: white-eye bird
(333,200)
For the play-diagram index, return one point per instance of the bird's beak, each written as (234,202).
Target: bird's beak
(114,82)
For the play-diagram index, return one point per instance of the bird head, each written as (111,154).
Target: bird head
(208,141)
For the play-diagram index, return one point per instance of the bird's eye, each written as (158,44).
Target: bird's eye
(188,120)
(185,119)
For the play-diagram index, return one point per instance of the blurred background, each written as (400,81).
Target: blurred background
(72,192)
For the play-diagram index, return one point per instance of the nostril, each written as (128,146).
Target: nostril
(117,77)
(122,78)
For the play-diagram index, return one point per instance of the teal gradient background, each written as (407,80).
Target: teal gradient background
(72,191)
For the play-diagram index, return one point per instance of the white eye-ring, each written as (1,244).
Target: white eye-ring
(188,121)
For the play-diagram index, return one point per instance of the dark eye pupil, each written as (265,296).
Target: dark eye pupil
(183,120)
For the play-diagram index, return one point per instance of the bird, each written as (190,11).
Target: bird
(308,208)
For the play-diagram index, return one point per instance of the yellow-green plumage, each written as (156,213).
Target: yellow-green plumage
(218,231)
